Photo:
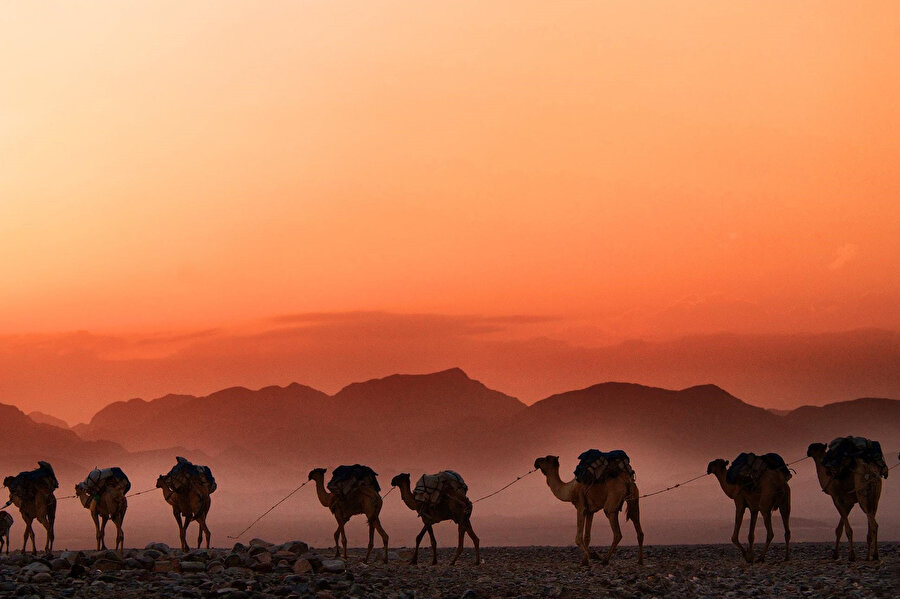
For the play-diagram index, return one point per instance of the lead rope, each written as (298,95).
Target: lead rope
(282,500)
(503,488)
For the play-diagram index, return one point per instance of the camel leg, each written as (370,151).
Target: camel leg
(586,536)
(872,538)
(371,541)
(120,536)
(738,520)
(636,520)
(204,530)
(419,537)
(102,532)
(97,532)
(770,534)
(751,535)
(344,538)
(617,534)
(433,545)
(785,509)
(181,528)
(475,542)
(50,518)
(337,541)
(459,544)
(384,537)
(579,538)
(29,533)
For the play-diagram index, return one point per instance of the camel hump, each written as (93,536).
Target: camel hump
(842,453)
(347,479)
(595,466)
(431,487)
(99,480)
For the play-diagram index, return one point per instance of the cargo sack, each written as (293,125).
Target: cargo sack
(184,475)
(595,466)
(345,480)
(748,468)
(842,453)
(430,487)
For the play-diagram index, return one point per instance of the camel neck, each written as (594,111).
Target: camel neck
(564,491)
(324,496)
(407,496)
(825,479)
(730,490)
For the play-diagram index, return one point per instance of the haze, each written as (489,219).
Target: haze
(196,195)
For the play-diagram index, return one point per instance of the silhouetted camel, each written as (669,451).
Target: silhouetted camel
(862,486)
(362,500)
(451,505)
(187,488)
(105,499)
(772,492)
(32,493)
(6,522)
(609,495)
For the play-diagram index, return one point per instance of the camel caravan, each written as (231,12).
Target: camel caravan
(849,469)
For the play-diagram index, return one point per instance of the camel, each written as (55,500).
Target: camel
(771,493)
(450,506)
(363,500)
(190,502)
(863,486)
(106,501)
(32,493)
(608,495)
(6,522)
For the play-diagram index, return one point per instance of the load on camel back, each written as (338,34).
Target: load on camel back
(748,468)
(595,466)
(185,475)
(26,485)
(99,481)
(430,487)
(345,480)
(843,452)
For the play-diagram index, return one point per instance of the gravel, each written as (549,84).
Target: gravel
(293,570)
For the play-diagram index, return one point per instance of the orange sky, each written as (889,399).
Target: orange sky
(647,169)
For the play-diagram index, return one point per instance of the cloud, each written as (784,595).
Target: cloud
(843,255)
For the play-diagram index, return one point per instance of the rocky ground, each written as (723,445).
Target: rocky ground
(262,570)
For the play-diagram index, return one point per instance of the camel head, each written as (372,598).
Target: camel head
(317,473)
(82,494)
(716,466)
(400,480)
(816,451)
(162,482)
(547,463)
(8,481)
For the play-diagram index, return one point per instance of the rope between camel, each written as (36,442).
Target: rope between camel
(518,478)
(285,498)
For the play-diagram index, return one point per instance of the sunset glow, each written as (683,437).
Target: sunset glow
(184,183)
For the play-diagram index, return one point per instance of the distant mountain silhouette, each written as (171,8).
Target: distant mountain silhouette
(392,413)
(447,419)
(42,418)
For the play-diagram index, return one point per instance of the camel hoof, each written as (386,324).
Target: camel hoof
(595,555)
(585,562)
(852,557)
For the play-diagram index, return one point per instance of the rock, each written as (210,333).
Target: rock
(163,565)
(282,554)
(333,565)
(264,557)
(161,547)
(215,567)
(7,586)
(36,567)
(471,594)
(260,543)
(192,566)
(108,565)
(41,577)
(302,566)
(295,547)
(60,564)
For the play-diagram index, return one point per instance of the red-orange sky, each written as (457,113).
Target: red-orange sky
(583,173)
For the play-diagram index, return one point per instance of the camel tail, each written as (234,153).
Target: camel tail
(633,511)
